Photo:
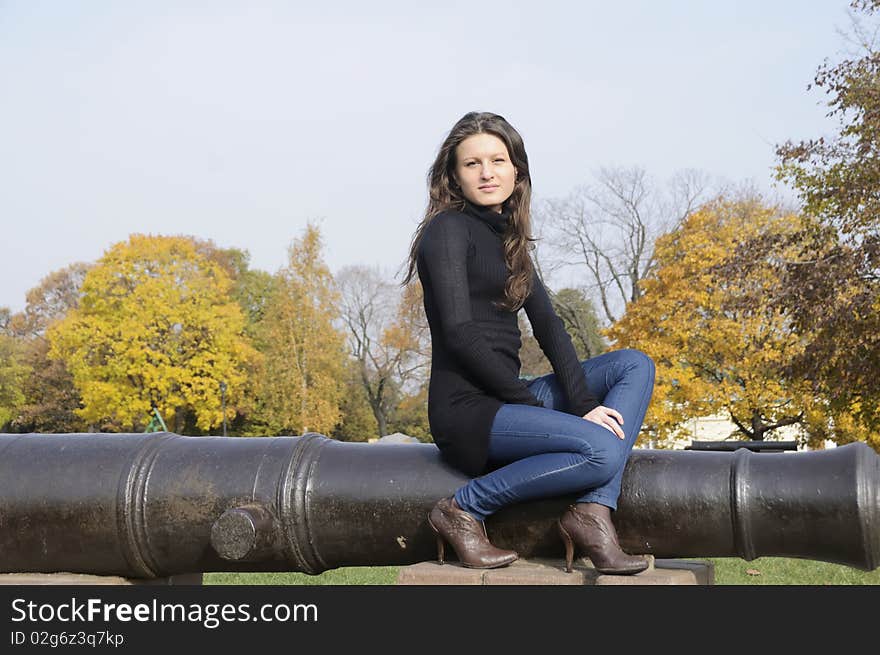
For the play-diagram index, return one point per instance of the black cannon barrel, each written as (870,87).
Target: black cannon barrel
(759,446)
(151,505)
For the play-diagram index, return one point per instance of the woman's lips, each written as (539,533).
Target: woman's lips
(488,188)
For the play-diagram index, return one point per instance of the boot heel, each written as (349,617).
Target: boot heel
(441,552)
(569,546)
(589,527)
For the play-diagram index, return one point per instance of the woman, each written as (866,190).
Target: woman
(568,432)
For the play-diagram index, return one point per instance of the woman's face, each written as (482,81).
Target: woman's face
(484,171)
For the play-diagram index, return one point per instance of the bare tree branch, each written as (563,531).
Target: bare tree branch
(609,229)
(372,307)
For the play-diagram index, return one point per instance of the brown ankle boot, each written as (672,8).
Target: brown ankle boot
(589,526)
(467,536)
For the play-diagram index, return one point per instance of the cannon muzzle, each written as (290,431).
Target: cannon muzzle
(153,505)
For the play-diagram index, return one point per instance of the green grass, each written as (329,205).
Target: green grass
(728,571)
(352,575)
(788,571)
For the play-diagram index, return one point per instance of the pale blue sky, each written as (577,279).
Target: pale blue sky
(241,121)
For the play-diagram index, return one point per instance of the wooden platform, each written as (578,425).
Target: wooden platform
(552,572)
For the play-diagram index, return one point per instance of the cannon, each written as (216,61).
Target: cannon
(160,504)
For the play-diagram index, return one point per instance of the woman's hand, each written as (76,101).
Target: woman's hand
(608,418)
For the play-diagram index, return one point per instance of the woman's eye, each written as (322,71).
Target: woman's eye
(500,161)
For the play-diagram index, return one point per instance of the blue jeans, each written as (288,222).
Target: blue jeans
(541,452)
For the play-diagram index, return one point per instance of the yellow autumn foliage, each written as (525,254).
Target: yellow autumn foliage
(718,345)
(300,383)
(12,375)
(156,327)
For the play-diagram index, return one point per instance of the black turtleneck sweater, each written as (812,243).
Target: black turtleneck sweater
(475,361)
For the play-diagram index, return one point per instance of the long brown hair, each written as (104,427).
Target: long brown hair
(444,194)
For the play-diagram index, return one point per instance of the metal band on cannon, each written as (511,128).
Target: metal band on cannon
(153,505)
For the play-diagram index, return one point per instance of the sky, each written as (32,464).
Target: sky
(241,122)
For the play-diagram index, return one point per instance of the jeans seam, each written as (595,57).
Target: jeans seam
(523,435)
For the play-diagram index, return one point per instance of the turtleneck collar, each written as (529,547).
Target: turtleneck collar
(497,221)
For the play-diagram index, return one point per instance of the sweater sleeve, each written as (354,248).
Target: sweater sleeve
(556,344)
(443,252)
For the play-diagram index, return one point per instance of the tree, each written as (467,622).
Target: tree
(831,286)
(51,300)
(155,328)
(410,335)
(609,229)
(581,322)
(357,420)
(386,337)
(300,382)
(12,372)
(251,288)
(411,415)
(719,343)
(531,357)
(50,398)
(838,179)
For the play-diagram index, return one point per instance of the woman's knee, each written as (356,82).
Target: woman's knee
(580,440)
(596,453)
(636,357)
(632,357)
(582,447)
(601,455)
(608,459)
(636,360)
